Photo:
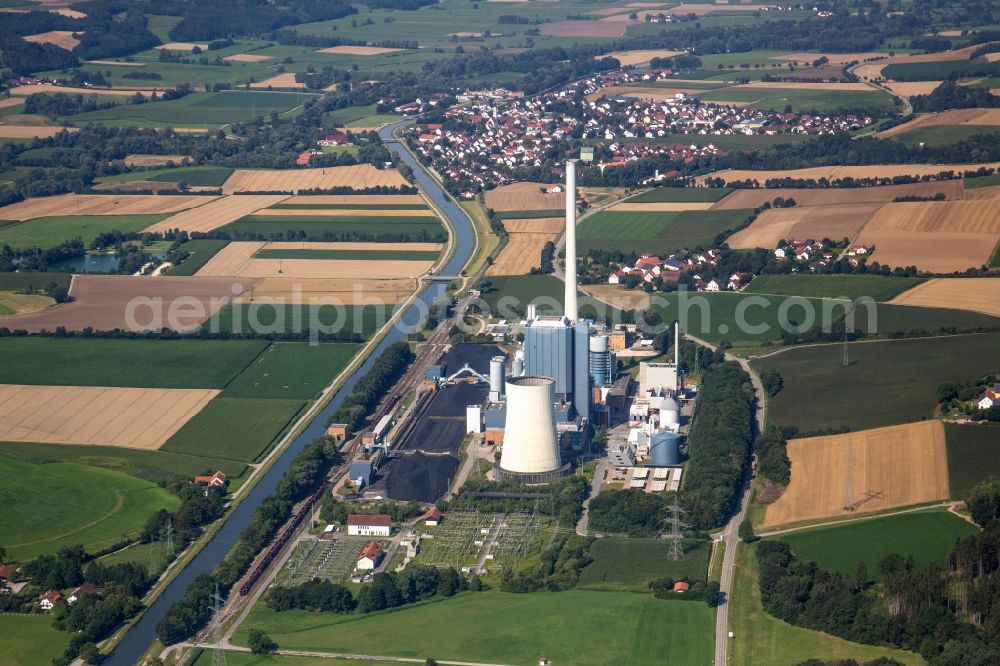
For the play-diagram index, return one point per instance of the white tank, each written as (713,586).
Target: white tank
(670,413)
(518,368)
(529,442)
(496,377)
(599,344)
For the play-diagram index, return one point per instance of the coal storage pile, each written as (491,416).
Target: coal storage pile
(436,436)
(420,477)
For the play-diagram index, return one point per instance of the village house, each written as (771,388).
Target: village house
(86,588)
(333,140)
(370,556)
(989,398)
(217,480)
(49,600)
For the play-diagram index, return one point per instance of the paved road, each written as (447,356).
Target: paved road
(595,490)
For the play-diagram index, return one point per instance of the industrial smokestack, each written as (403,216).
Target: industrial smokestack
(570,298)
(677,356)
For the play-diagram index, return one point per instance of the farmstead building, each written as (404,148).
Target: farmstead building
(377,525)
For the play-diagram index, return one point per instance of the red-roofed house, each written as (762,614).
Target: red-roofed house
(5,571)
(433,517)
(335,140)
(217,480)
(374,525)
(48,600)
(681,586)
(370,556)
(990,397)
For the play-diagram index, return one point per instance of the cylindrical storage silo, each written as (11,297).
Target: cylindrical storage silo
(518,368)
(600,360)
(665,449)
(670,413)
(496,377)
(529,442)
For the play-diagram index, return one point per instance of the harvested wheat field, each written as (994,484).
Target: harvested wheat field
(10,101)
(535,225)
(336,291)
(618,296)
(102,302)
(135,418)
(934,252)
(522,253)
(248,57)
(950,117)
(100,204)
(23,303)
(64,39)
(358,50)
(991,192)
(285,80)
(982,216)
(839,172)
(182,46)
(832,196)
(342,212)
(870,71)
(833,58)
(803,222)
(662,206)
(358,247)
(871,470)
(584,28)
(359,176)
(237,260)
(24,91)
(802,85)
(525,196)
(975,294)
(641,56)
(218,213)
(644,92)
(32,131)
(68,13)
(912,88)
(356,199)
(153,160)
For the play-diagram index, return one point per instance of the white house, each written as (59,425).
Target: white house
(49,600)
(712,286)
(989,398)
(370,556)
(375,525)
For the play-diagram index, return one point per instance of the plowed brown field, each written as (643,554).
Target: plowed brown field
(216,214)
(977,295)
(832,196)
(359,176)
(248,57)
(128,417)
(804,222)
(100,204)
(883,468)
(153,160)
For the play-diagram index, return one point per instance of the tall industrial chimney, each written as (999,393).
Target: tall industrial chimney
(677,356)
(570,298)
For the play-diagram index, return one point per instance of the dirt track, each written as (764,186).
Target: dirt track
(884,468)
(359,176)
(977,295)
(101,204)
(102,303)
(93,415)
(217,214)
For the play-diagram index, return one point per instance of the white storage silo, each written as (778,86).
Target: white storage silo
(529,443)
(496,378)
(670,414)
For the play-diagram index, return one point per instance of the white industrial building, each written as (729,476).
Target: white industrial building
(373,525)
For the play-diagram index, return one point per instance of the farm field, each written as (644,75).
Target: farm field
(280,316)
(973,455)
(137,363)
(200,252)
(354,201)
(832,173)
(100,204)
(522,252)
(774,642)
(291,371)
(876,287)
(982,295)
(682,195)
(11,303)
(537,225)
(28,132)
(244,260)
(632,564)
(140,418)
(196,109)
(779,96)
(47,232)
(509,296)
(234,658)
(777,224)
(358,117)
(30,638)
(636,628)
(545,214)
(525,197)
(872,470)
(313,211)
(362,227)
(359,176)
(640,56)
(240,429)
(345,254)
(876,369)
(660,233)
(195,176)
(94,506)
(926,536)
(218,213)
(832,196)
(939,135)
(332,291)
(107,302)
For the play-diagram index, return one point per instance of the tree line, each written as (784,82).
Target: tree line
(386,371)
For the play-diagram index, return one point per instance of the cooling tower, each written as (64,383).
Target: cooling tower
(529,442)
(569,301)
(665,449)
(496,377)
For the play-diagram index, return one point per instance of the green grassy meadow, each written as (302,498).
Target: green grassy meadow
(820,101)
(35,281)
(973,455)
(123,362)
(60,504)
(661,233)
(944,134)
(199,176)
(760,638)
(357,116)
(46,232)
(632,564)
(318,226)
(201,251)
(349,255)
(681,194)
(890,382)
(981,181)
(510,295)
(297,371)
(30,639)
(240,429)
(937,71)
(876,287)
(927,536)
(234,658)
(576,627)
(362,320)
